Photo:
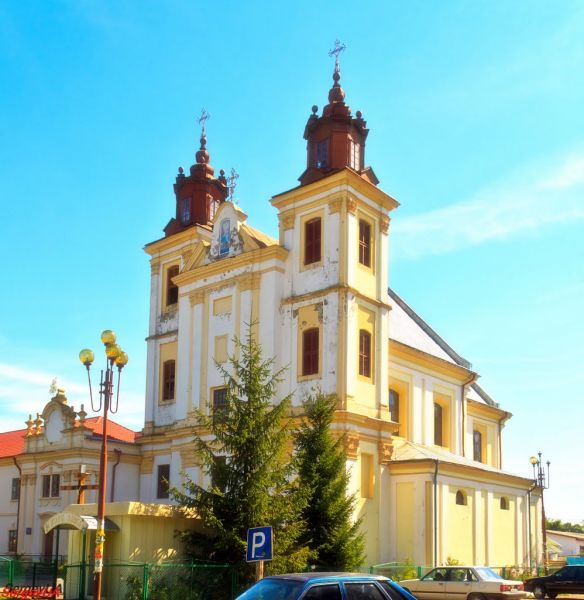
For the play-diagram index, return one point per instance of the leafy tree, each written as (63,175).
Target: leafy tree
(330,529)
(244,449)
(558,525)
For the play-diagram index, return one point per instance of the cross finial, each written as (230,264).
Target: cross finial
(339,47)
(205,116)
(232,183)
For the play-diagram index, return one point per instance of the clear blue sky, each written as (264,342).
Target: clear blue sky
(477,128)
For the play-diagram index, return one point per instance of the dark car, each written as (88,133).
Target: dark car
(326,586)
(568,580)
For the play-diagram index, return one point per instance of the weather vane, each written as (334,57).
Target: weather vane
(232,183)
(205,116)
(339,47)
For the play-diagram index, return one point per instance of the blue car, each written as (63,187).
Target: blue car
(326,586)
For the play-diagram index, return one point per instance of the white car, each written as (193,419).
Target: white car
(464,583)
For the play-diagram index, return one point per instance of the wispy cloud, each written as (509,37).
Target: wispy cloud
(26,391)
(528,199)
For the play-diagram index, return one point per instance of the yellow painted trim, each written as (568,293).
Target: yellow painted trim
(321,186)
(470,473)
(478,409)
(432,364)
(193,234)
(224,265)
(334,289)
(372,222)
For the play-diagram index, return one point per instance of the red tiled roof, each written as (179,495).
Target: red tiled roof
(115,431)
(12,442)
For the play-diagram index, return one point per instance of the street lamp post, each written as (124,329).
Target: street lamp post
(541,479)
(114,357)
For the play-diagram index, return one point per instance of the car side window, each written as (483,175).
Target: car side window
(323,592)
(391,591)
(436,575)
(565,573)
(458,574)
(470,576)
(580,574)
(363,591)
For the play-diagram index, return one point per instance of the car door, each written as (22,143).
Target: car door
(562,581)
(431,586)
(458,583)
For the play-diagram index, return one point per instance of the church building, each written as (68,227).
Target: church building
(423,440)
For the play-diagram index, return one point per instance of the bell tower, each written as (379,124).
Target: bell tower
(199,194)
(336,139)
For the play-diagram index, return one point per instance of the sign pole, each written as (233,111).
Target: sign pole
(259,570)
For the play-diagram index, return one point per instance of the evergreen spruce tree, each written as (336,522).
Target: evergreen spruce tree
(331,531)
(245,449)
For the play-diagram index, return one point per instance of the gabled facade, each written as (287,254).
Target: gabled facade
(40,469)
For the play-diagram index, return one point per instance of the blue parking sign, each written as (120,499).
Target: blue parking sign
(259,544)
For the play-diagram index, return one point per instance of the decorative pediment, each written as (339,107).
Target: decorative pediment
(196,257)
(57,416)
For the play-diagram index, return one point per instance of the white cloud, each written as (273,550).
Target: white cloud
(26,391)
(527,200)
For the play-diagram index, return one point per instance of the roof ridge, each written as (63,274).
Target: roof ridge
(429,331)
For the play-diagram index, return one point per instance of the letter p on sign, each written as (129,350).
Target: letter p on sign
(259,544)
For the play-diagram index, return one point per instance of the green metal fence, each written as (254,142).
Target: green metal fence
(163,581)
(30,571)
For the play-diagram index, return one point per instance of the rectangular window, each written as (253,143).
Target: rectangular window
(15,488)
(51,486)
(310,351)
(477,446)
(312,239)
(354,155)
(55,486)
(364,243)
(12,541)
(394,406)
(364,353)
(437,424)
(163,481)
(219,404)
(168,379)
(171,288)
(185,211)
(367,476)
(322,154)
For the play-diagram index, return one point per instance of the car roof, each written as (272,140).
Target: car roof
(316,576)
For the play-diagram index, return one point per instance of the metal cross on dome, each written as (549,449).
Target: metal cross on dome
(232,183)
(205,116)
(339,47)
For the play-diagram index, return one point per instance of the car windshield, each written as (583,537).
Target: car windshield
(487,574)
(273,589)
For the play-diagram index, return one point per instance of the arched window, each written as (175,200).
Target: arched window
(310,351)
(460,498)
(171,288)
(437,424)
(477,446)
(504,503)
(168,376)
(364,353)
(394,406)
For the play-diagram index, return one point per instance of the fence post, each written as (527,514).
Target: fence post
(145,582)
(11,573)
(34,574)
(419,571)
